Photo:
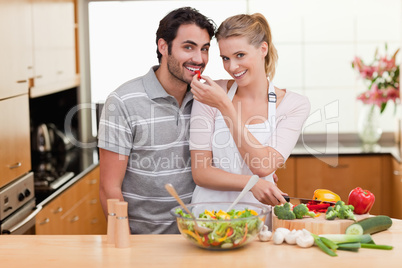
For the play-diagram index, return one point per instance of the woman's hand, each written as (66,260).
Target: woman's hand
(268,193)
(209,93)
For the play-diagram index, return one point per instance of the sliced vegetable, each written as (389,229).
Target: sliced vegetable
(244,237)
(362,200)
(370,225)
(193,235)
(317,207)
(354,229)
(198,74)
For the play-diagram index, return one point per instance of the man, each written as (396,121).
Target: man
(143,132)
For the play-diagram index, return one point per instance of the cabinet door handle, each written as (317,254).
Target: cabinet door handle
(22,81)
(339,166)
(46,220)
(16,165)
(397,172)
(58,210)
(74,219)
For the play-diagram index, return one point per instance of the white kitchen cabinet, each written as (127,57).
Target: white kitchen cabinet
(54,49)
(15,47)
(15,149)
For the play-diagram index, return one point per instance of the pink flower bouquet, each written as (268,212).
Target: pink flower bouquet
(383,78)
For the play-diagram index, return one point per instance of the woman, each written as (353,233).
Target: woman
(246,125)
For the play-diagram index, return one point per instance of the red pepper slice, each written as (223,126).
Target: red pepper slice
(362,200)
(229,231)
(198,72)
(244,237)
(319,206)
(205,240)
(215,243)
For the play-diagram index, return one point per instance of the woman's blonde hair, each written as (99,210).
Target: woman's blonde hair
(256,29)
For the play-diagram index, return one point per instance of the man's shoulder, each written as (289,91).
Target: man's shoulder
(135,85)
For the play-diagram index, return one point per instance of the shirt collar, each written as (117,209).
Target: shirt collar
(154,89)
(152,86)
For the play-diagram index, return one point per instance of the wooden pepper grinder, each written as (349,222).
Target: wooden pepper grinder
(122,235)
(111,220)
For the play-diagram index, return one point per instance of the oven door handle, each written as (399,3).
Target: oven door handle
(22,223)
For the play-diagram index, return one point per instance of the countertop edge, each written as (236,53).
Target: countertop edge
(67,185)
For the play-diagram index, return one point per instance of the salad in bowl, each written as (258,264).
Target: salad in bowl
(227,229)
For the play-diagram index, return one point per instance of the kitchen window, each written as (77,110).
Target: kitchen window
(316,46)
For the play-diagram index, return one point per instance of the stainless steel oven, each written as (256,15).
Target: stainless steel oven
(17,206)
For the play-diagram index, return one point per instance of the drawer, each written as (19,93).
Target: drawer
(15,152)
(48,221)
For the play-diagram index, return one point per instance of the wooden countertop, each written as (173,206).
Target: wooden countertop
(174,251)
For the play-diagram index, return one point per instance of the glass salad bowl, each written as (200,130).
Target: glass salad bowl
(228,229)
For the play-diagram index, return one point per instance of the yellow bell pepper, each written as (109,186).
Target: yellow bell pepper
(223,215)
(325,195)
(210,213)
(193,235)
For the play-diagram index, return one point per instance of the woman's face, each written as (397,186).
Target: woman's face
(243,61)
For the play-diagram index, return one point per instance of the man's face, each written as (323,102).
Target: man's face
(189,52)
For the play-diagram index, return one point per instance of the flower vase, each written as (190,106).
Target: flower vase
(368,125)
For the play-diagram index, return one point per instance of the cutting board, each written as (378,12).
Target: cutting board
(317,225)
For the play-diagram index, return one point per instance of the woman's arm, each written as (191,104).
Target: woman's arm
(208,176)
(261,160)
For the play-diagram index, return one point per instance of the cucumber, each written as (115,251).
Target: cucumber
(370,225)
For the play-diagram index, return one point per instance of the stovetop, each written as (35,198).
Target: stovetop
(53,170)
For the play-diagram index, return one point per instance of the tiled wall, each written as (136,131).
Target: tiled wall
(316,42)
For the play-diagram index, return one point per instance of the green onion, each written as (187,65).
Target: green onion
(322,246)
(344,238)
(329,243)
(349,246)
(374,246)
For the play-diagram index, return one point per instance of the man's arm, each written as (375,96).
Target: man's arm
(112,169)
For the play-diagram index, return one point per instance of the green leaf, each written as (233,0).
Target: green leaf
(383,105)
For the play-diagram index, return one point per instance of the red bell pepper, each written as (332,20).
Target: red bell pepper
(362,200)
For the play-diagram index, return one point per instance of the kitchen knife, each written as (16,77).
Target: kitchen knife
(296,200)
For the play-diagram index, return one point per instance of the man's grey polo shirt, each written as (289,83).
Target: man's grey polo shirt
(141,120)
